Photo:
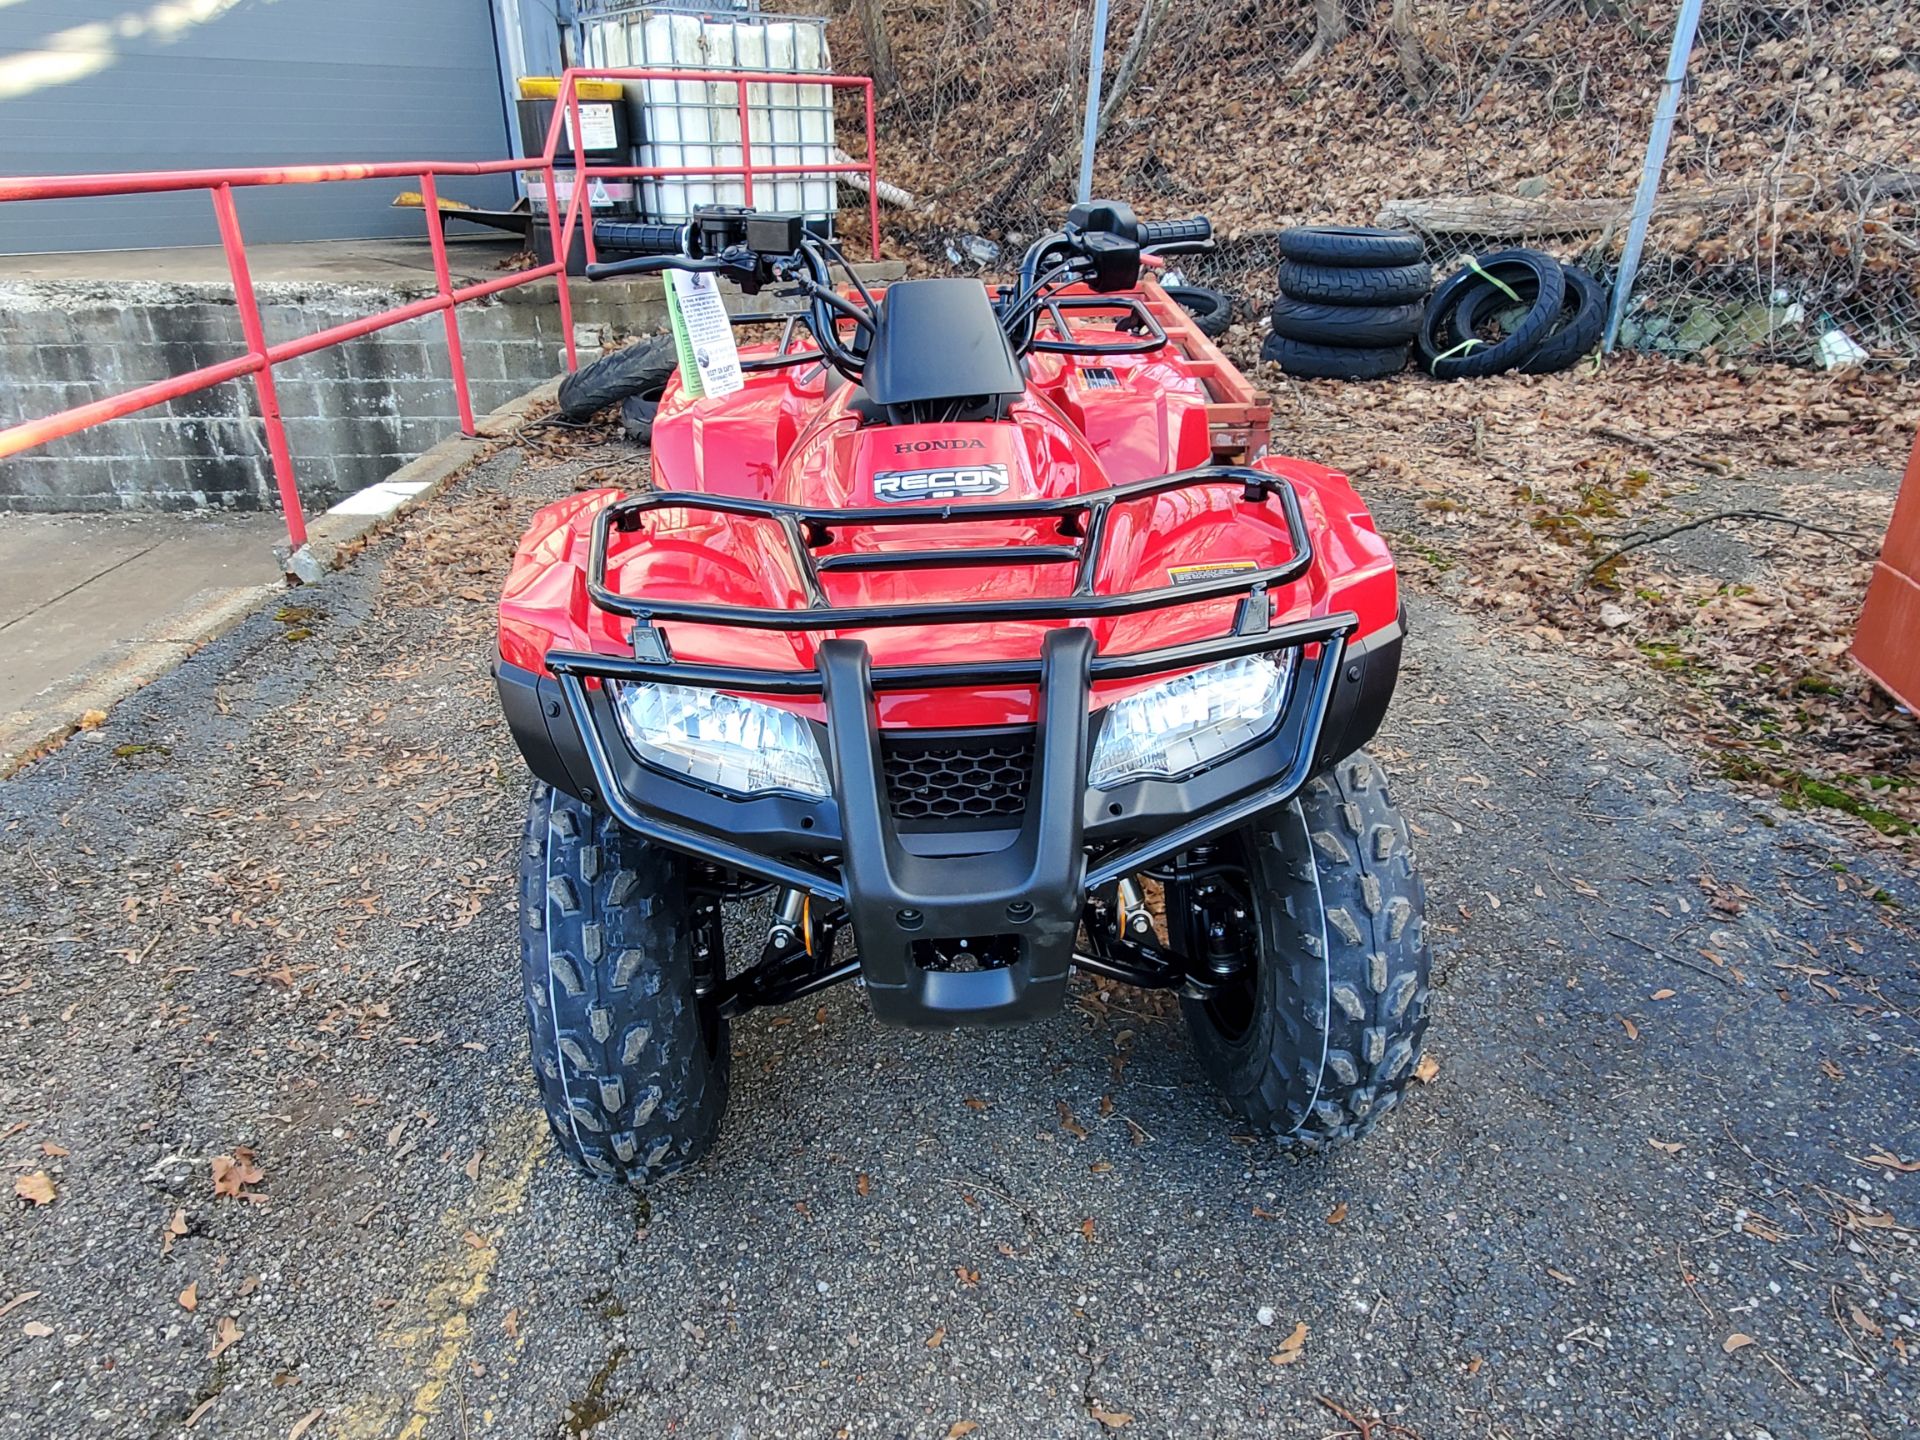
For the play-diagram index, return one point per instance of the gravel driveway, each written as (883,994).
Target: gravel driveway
(262,1039)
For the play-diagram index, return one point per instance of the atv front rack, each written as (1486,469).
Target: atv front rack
(1203,807)
(1083,516)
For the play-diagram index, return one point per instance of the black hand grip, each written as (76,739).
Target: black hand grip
(637,239)
(1154,233)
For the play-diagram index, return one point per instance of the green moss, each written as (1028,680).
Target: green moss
(1802,791)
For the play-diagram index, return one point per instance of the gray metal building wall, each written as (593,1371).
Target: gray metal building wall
(97,85)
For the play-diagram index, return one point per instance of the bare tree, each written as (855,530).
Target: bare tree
(1329,29)
(873,30)
(1409,50)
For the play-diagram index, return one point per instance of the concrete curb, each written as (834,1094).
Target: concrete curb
(336,536)
(333,539)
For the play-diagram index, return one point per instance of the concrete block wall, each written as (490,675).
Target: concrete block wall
(354,412)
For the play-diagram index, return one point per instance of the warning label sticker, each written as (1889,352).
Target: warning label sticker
(1213,570)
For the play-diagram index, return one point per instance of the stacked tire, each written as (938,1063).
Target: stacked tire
(1511,310)
(1351,303)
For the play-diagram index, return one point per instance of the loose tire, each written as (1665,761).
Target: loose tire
(1452,352)
(641,369)
(1212,311)
(1356,284)
(1350,245)
(1583,316)
(1331,1018)
(1376,326)
(1333,362)
(632,1066)
(637,414)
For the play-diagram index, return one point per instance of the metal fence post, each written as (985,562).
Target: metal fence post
(1649,191)
(1090,131)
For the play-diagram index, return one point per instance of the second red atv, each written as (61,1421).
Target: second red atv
(979,632)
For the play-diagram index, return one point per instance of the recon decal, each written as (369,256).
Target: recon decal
(952,482)
(1213,570)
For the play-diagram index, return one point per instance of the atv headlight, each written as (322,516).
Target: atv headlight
(721,740)
(1190,721)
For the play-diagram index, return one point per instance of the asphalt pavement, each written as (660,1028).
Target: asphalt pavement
(261,1040)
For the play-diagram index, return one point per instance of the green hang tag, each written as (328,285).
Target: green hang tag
(682,344)
(1495,281)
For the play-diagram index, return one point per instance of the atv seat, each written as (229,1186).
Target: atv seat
(938,353)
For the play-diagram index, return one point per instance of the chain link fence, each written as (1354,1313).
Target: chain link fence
(1787,210)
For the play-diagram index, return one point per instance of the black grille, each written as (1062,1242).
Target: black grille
(948,776)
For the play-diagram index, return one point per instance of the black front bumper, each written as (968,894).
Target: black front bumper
(909,891)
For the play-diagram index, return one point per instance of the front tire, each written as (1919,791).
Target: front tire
(632,1065)
(1324,1029)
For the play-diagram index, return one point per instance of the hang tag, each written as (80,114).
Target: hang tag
(704,334)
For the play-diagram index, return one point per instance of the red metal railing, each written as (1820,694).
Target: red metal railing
(261,358)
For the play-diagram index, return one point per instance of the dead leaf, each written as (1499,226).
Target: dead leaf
(1863,1321)
(1563,1278)
(190,1297)
(1067,1122)
(472,1167)
(1672,1147)
(1100,1167)
(861,1184)
(176,1228)
(973,1102)
(305,1423)
(1338,1213)
(35,1189)
(1736,1341)
(93,719)
(17,1301)
(510,1323)
(1112,1419)
(232,1174)
(937,1339)
(227,1335)
(966,1277)
(1086,1227)
(962,1427)
(1292,1347)
(1886,1159)
(1633,1030)
(1664,994)
(36,1330)
(1426,1069)
(47,1147)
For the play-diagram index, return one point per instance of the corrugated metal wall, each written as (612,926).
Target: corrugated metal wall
(89,85)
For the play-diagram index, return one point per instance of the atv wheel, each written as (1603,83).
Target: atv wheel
(1317,1036)
(632,1065)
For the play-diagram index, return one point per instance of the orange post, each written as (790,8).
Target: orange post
(1887,644)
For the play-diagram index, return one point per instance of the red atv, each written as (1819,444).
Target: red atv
(977,624)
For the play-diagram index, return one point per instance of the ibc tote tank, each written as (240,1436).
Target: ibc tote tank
(697,123)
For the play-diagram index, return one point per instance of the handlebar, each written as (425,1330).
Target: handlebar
(1158,234)
(637,239)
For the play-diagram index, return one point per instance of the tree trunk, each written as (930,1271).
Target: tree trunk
(1410,52)
(1329,29)
(873,30)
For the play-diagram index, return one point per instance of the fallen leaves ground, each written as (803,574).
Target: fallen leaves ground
(1503,494)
